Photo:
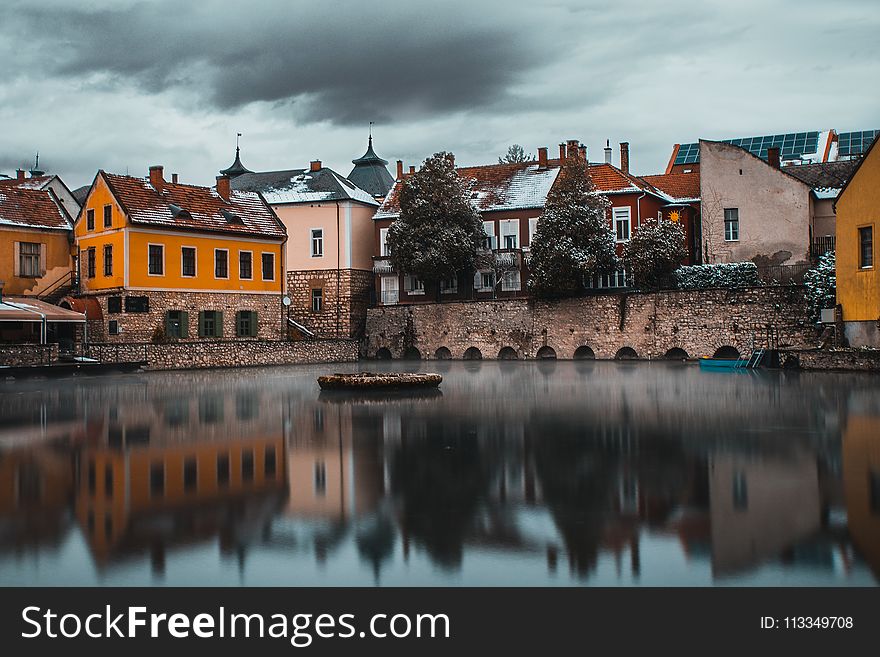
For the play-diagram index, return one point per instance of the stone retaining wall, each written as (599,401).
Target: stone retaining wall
(698,322)
(226,353)
(834,359)
(24,355)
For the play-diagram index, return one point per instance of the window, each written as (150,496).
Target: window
(247,465)
(90,220)
(188,261)
(92,477)
(317,300)
(320,478)
(157,479)
(317,242)
(268,266)
(489,231)
(223,470)
(210,324)
(449,286)
(533,228)
(384,249)
(29,265)
(245,265)
(113,327)
(731,224)
(137,304)
(269,462)
(108,216)
(156,260)
(510,281)
(108,260)
(211,409)
(246,324)
(177,324)
(114,305)
(90,262)
(510,233)
(866,247)
(484,281)
(190,474)
(621,223)
(414,285)
(221,263)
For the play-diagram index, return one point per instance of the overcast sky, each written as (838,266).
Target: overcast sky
(121,85)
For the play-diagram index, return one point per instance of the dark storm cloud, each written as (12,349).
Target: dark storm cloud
(334,61)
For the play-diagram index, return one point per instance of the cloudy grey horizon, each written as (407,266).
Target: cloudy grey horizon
(125,84)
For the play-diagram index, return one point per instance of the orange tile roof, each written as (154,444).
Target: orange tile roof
(677,185)
(144,205)
(32,208)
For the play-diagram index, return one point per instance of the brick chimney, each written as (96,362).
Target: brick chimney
(561,151)
(542,157)
(156,179)
(607,151)
(174,178)
(583,153)
(773,156)
(412,168)
(399,169)
(19,174)
(315,165)
(572,148)
(624,156)
(223,187)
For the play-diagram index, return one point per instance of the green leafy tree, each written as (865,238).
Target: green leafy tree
(438,232)
(515,154)
(655,251)
(573,240)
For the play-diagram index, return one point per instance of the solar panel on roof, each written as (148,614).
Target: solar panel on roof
(792,146)
(855,143)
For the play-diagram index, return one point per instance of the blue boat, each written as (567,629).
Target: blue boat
(707,363)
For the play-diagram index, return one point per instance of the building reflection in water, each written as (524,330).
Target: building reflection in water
(580,479)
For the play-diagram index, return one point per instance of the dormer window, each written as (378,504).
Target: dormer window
(178,212)
(230,217)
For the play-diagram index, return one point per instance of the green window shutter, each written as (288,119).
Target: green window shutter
(201,323)
(254,324)
(218,324)
(238,331)
(169,325)
(184,324)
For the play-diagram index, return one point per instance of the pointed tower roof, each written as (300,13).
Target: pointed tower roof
(237,168)
(369,172)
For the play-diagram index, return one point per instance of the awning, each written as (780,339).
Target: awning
(24,309)
(86,305)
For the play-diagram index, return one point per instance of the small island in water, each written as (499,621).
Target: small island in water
(377,380)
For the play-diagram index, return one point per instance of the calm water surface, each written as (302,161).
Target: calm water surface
(516,473)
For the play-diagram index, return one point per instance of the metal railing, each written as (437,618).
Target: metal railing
(783,274)
(823,245)
(382,266)
(65,283)
(389,297)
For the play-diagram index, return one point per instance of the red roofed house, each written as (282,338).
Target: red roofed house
(172,261)
(511,198)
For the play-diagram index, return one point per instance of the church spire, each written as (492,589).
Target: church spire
(236,168)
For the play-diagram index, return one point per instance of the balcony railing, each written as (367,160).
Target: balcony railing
(823,245)
(508,258)
(382,266)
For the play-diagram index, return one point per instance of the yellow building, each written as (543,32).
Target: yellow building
(174,261)
(35,239)
(858,283)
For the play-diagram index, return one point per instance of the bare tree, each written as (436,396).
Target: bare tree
(515,154)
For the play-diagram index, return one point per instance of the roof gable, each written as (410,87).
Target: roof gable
(291,186)
(678,186)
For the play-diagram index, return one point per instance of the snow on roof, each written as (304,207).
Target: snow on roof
(32,208)
(302,186)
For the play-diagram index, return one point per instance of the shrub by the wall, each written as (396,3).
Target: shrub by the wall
(727,274)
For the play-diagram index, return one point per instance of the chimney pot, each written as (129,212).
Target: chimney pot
(542,157)
(583,153)
(624,156)
(19,174)
(773,156)
(223,188)
(607,151)
(156,178)
(561,151)
(399,169)
(174,178)
(315,165)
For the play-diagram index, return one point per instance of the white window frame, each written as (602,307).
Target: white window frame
(479,284)
(490,234)
(511,281)
(164,268)
(313,240)
(319,297)
(384,251)
(509,228)
(269,253)
(221,278)
(195,260)
(622,216)
(726,238)
(240,277)
(533,228)
(414,286)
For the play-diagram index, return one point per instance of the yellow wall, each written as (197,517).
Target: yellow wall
(858,290)
(57,265)
(130,249)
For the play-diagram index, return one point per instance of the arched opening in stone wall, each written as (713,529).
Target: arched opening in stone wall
(584,353)
(546,353)
(626,353)
(472,353)
(792,363)
(726,352)
(507,353)
(676,353)
(411,353)
(383,354)
(442,354)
